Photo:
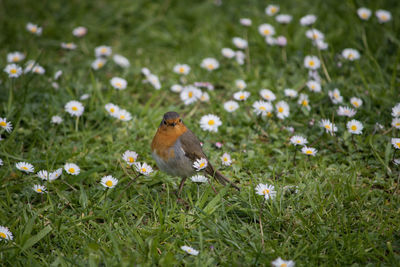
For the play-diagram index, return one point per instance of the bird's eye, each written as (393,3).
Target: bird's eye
(165,123)
(180,120)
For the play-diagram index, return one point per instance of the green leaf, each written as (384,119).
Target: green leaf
(34,239)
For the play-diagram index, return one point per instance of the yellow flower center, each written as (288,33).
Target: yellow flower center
(225,159)
(241,97)
(298,141)
(39,190)
(118,84)
(211,122)
(265,191)
(181,69)
(355,104)
(273,10)
(131,159)
(202,165)
(304,103)
(263,108)
(100,64)
(280,109)
(190,94)
(283,265)
(34,29)
(103,50)
(308,152)
(327,126)
(315,36)
(313,86)
(71,170)
(269,114)
(364,15)
(3,124)
(13,71)
(398,144)
(112,110)
(3,235)
(109,183)
(24,168)
(210,66)
(353,127)
(15,58)
(143,170)
(336,95)
(266,32)
(384,17)
(74,108)
(311,63)
(398,124)
(351,56)
(122,117)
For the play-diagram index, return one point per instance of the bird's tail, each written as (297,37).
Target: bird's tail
(222,179)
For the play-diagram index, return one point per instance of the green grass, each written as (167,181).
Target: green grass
(346,211)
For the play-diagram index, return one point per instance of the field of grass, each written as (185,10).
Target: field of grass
(344,210)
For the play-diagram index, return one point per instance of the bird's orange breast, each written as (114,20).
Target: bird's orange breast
(164,139)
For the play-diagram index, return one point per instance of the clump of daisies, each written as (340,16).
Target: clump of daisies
(49,176)
(117,112)
(210,123)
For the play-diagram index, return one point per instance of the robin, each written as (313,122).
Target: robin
(175,148)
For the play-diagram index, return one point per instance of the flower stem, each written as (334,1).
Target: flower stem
(76,123)
(324,66)
(294,156)
(261,226)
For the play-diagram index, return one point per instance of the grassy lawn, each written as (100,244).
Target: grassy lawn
(339,207)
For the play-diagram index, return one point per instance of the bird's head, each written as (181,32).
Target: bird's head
(172,122)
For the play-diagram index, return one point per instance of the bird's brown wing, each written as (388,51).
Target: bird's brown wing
(191,146)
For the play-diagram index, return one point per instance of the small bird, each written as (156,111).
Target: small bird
(175,148)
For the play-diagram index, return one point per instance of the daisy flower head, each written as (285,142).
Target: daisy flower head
(6,125)
(200,164)
(346,111)
(396,123)
(266,30)
(25,167)
(290,93)
(210,64)
(314,86)
(298,140)
(190,94)
(266,190)
(40,189)
(240,56)
(109,181)
(38,69)
(130,157)
(328,126)
(309,151)
(190,250)
(383,15)
(112,109)
(267,95)
(198,178)
(5,233)
(123,115)
(228,53)
(1,162)
(154,81)
(58,74)
(282,263)
(270,40)
(29,65)
(72,168)
(245,22)
(282,109)
(121,61)
(143,168)
(314,34)
(356,102)
(271,10)
(205,97)
(312,62)
(304,101)
(364,13)
(226,159)
(241,95)
(240,42)
(44,175)
(103,51)
(320,44)
(281,41)
(308,20)
(79,31)
(263,108)
(182,69)
(68,46)
(335,96)
(15,57)
(396,143)
(33,28)
(98,63)
(240,84)
(74,108)
(118,83)
(396,110)
(210,123)
(176,88)
(284,18)
(54,175)
(84,97)
(13,70)
(231,106)
(355,127)
(350,54)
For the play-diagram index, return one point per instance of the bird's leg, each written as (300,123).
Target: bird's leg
(181,187)
(215,191)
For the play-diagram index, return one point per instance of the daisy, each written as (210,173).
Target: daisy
(109,181)
(241,95)
(183,69)
(79,31)
(130,157)
(354,127)
(25,167)
(350,54)
(240,56)
(282,263)
(72,168)
(240,42)
(68,46)
(1,162)
(209,64)
(5,233)
(13,70)
(190,250)
(121,61)
(58,74)
(143,168)
(314,34)
(84,97)
(231,106)
(240,84)
(290,93)
(309,151)
(320,44)
(312,62)
(15,57)
(7,126)
(335,96)
(298,140)
(282,109)
(33,28)
(38,69)
(245,22)
(145,71)
(284,18)
(267,95)
(112,109)
(271,10)
(123,115)
(346,111)
(356,102)
(270,40)
(328,126)
(41,189)
(364,13)
(118,83)
(74,108)
(308,20)
(210,123)
(228,53)
(54,175)
(226,159)
(263,108)
(314,86)
(266,30)
(190,94)
(396,110)
(44,175)
(268,191)
(396,143)
(304,101)
(176,88)
(205,97)
(383,15)
(198,179)
(200,164)
(98,63)
(154,81)
(102,51)
(396,123)
(281,41)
